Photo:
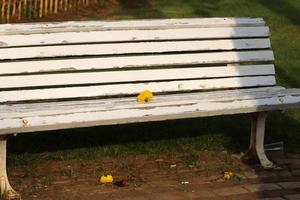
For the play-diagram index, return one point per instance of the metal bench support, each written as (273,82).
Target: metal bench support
(256,149)
(7,191)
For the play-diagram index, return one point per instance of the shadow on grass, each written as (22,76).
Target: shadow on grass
(289,80)
(213,133)
(140,9)
(205,7)
(176,8)
(283,8)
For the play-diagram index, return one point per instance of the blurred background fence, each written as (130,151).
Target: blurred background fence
(17,10)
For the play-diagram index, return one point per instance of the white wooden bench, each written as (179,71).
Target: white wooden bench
(80,74)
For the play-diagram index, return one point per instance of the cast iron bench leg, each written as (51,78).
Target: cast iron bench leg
(7,191)
(256,150)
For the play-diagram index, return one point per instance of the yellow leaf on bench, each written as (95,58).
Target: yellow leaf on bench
(145,96)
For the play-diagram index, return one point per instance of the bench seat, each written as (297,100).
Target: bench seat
(83,113)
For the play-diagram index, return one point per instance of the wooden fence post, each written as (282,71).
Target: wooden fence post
(3,11)
(14,5)
(45,7)
(51,7)
(8,11)
(41,8)
(20,10)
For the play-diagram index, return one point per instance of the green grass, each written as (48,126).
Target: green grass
(214,133)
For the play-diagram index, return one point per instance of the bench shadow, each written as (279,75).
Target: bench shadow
(283,8)
(140,9)
(230,132)
(194,8)
(289,80)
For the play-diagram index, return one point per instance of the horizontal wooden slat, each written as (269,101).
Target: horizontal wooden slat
(65,107)
(132,35)
(133,76)
(47,27)
(135,61)
(130,89)
(129,48)
(138,114)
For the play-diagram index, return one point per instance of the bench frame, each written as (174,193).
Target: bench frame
(6,189)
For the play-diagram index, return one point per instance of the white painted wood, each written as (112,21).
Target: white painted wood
(127,48)
(133,76)
(25,107)
(132,35)
(130,89)
(135,61)
(6,191)
(67,107)
(46,27)
(219,107)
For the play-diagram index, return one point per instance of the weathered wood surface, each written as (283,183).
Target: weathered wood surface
(135,88)
(45,27)
(135,61)
(61,107)
(132,35)
(132,48)
(138,114)
(133,76)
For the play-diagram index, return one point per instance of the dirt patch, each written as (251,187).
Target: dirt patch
(79,179)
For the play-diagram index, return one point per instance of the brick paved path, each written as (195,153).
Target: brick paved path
(267,188)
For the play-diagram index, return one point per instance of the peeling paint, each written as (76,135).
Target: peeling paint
(24,123)
(180,86)
(281,99)
(3,44)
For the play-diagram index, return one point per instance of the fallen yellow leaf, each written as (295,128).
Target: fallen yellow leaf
(145,96)
(228,175)
(106,179)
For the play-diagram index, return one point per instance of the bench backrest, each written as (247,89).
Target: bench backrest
(49,61)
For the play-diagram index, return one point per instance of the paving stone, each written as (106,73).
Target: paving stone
(169,195)
(296,172)
(132,198)
(274,198)
(241,176)
(295,162)
(61,182)
(285,173)
(262,187)
(289,161)
(202,194)
(251,174)
(266,174)
(292,197)
(230,191)
(293,155)
(289,185)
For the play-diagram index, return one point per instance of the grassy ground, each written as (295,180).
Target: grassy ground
(215,133)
